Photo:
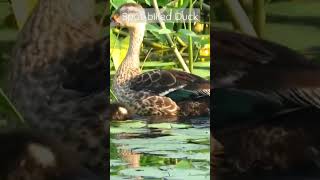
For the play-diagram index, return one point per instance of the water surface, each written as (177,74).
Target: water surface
(160,149)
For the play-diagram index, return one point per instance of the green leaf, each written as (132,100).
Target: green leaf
(158,64)
(186,32)
(183,164)
(165,31)
(117,3)
(167,172)
(170,25)
(168,126)
(153,28)
(148,2)
(202,64)
(185,4)
(205,73)
(163,3)
(118,49)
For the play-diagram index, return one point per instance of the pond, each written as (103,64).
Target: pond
(160,149)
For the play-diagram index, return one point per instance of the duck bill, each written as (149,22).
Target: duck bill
(115,20)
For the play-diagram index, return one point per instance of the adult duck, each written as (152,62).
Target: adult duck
(266,108)
(59,78)
(157,92)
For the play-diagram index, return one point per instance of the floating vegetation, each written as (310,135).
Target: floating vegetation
(166,150)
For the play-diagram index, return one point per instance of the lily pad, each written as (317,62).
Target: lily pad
(161,173)
(117,163)
(168,125)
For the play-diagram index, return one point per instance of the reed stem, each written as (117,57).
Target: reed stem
(190,39)
(169,39)
(6,101)
(239,17)
(259,17)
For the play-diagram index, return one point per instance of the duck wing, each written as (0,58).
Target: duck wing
(175,84)
(247,62)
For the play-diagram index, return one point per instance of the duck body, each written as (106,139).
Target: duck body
(156,92)
(275,78)
(160,92)
(266,108)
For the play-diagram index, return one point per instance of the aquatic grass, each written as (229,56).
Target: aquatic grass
(113,96)
(259,17)
(240,19)
(7,107)
(190,38)
(145,59)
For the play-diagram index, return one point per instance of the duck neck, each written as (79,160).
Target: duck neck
(130,66)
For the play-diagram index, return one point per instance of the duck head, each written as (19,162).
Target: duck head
(130,15)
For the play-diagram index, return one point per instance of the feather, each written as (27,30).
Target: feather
(170,82)
(246,62)
(171,90)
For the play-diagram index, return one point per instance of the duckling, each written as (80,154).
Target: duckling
(117,111)
(26,155)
